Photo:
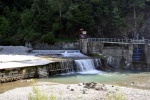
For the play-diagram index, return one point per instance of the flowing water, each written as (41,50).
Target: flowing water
(87,66)
(128,78)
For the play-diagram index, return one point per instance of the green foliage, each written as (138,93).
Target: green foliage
(4,25)
(116,96)
(42,20)
(26,18)
(38,95)
(48,38)
(52,97)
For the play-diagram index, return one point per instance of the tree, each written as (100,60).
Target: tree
(4,25)
(136,6)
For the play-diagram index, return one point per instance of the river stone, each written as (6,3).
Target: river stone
(97,88)
(84,91)
(80,84)
(71,89)
(68,87)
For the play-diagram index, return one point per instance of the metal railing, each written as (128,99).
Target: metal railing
(119,41)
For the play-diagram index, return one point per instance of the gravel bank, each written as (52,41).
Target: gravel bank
(77,92)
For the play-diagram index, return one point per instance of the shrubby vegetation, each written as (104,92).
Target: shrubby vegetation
(48,20)
(37,95)
(116,96)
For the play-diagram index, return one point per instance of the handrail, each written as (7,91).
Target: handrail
(119,41)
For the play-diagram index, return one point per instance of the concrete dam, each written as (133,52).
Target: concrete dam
(121,53)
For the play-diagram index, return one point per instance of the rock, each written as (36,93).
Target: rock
(103,84)
(86,87)
(80,84)
(71,89)
(97,88)
(94,83)
(90,85)
(132,83)
(87,84)
(68,87)
(103,88)
(84,91)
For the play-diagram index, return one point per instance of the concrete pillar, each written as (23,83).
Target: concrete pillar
(101,45)
(130,52)
(147,54)
(84,46)
(90,47)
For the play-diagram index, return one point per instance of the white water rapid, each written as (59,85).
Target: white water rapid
(87,66)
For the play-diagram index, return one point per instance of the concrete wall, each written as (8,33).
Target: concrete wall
(115,53)
(95,47)
(120,56)
(147,54)
(89,47)
(57,46)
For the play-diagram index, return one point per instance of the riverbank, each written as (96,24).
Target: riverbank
(81,91)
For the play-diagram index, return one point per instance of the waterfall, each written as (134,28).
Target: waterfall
(87,66)
(81,66)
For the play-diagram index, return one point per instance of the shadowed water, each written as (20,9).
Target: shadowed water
(128,78)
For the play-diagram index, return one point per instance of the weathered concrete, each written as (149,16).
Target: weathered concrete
(147,54)
(95,46)
(84,46)
(56,46)
(115,54)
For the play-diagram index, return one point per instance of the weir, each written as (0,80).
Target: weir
(82,66)
(75,66)
(54,51)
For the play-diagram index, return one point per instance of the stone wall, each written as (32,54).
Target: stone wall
(56,46)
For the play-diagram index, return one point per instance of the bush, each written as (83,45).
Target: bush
(48,38)
(37,95)
(116,96)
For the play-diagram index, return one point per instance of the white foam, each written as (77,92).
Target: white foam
(91,72)
(78,54)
